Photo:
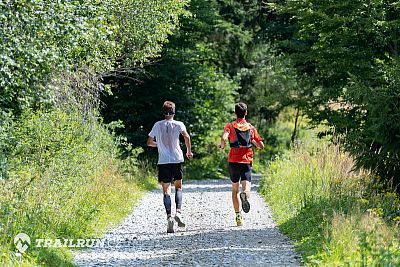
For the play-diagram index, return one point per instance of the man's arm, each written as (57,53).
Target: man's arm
(258,144)
(151,142)
(188,144)
(257,140)
(224,136)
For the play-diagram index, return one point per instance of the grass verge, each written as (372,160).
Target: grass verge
(62,178)
(336,216)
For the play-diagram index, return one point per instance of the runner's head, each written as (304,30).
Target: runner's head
(169,109)
(240,110)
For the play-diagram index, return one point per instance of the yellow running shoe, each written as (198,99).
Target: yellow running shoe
(239,219)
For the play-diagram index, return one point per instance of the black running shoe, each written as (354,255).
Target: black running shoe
(245,202)
(178,219)
(170,225)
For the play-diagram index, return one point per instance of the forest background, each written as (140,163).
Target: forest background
(83,82)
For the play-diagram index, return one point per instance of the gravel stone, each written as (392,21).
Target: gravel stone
(211,237)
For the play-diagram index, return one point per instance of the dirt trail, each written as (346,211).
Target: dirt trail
(210,239)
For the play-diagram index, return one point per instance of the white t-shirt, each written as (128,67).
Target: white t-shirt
(167,134)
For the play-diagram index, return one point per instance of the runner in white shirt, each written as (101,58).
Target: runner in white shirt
(165,136)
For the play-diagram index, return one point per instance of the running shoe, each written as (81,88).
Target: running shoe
(170,225)
(178,219)
(245,202)
(239,219)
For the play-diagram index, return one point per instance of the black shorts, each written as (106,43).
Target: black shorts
(239,172)
(169,172)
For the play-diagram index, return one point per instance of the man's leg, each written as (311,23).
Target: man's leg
(167,197)
(234,174)
(165,177)
(178,195)
(244,196)
(167,204)
(235,199)
(246,187)
(246,179)
(178,203)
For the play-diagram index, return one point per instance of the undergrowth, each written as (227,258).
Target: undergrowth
(335,215)
(62,177)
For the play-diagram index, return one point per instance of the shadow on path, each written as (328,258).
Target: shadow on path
(217,247)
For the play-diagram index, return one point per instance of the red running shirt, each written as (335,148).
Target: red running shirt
(242,154)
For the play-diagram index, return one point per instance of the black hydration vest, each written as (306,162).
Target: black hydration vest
(242,138)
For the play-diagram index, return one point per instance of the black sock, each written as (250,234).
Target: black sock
(178,199)
(167,204)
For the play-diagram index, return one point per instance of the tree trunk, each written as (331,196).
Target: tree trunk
(295,125)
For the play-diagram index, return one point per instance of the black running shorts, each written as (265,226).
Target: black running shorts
(169,172)
(239,172)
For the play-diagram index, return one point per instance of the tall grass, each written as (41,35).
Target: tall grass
(335,215)
(61,178)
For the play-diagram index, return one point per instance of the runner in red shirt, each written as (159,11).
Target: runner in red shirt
(241,137)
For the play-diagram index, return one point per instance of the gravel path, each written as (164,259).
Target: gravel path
(211,237)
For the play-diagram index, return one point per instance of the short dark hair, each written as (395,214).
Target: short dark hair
(169,108)
(240,110)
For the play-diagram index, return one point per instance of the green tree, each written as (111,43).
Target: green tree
(347,51)
(58,160)
(275,85)
(41,41)
(187,73)
(51,51)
